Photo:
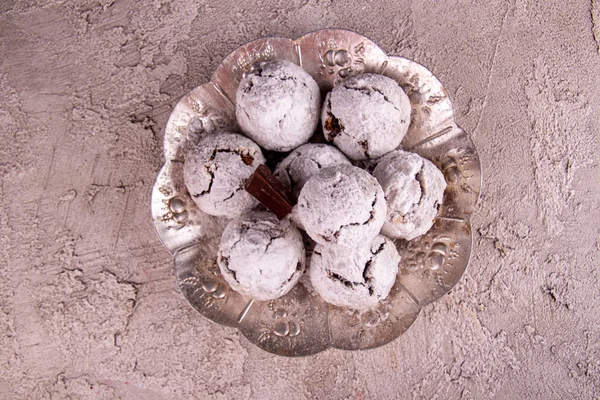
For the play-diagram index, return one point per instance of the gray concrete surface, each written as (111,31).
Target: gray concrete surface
(88,305)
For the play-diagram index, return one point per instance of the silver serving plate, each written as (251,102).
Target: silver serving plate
(300,323)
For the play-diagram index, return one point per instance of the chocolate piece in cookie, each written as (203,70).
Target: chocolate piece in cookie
(270,192)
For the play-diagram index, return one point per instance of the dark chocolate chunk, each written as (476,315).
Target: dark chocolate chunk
(270,192)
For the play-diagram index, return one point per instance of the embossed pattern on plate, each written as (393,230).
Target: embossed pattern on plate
(330,55)
(203,110)
(177,219)
(353,330)
(432,264)
(300,323)
(203,285)
(432,116)
(457,158)
(293,325)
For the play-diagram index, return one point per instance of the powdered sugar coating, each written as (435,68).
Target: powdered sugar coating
(294,218)
(260,256)
(357,278)
(277,105)
(342,205)
(414,190)
(366,116)
(216,170)
(305,161)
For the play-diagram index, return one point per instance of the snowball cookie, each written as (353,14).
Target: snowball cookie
(302,163)
(260,256)
(342,205)
(414,189)
(216,170)
(366,116)
(357,278)
(278,105)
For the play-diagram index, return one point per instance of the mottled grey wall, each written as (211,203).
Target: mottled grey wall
(88,305)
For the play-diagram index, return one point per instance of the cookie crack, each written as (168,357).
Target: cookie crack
(333,125)
(231,195)
(244,229)
(259,71)
(298,268)
(225,263)
(233,246)
(298,265)
(271,240)
(212,179)
(379,249)
(244,154)
(290,78)
(415,206)
(419,177)
(372,212)
(371,217)
(351,284)
(248,87)
(368,277)
(316,162)
(337,277)
(364,144)
(368,90)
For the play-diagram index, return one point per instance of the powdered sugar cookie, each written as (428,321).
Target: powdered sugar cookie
(414,190)
(342,205)
(261,256)
(216,170)
(277,105)
(356,278)
(366,116)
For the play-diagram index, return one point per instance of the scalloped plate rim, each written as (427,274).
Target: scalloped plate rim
(198,241)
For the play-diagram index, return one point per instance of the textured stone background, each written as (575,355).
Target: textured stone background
(89,308)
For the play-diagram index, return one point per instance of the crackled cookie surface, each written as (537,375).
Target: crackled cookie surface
(216,170)
(277,105)
(305,161)
(261,256)
(356,278)
(366,116)
(342,205)
(414,190)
